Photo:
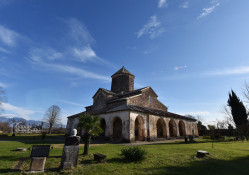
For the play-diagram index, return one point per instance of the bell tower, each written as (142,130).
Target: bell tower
(122,81)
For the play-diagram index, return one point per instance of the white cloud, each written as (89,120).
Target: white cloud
(17,111)
(4,50)
(209,10)
(36,60)
(162,3)
(76,71)
(152,28)
(78,32)
(37,54)
(7,36)
(71,103)
(84,54)
(230,71)
(3,85)
(184,5)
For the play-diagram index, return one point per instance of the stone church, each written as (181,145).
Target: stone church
(134,115)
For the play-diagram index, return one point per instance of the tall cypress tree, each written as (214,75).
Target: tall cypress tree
(239,113)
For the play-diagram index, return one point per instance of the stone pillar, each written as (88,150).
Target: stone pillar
(69,157)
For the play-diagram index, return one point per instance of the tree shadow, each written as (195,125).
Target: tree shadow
(206,167)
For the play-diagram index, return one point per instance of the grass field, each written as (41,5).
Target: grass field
(167,158)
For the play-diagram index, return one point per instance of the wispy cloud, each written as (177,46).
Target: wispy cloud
(4,50)
(85,54)
(38,61)
(229,71)
(79,33)
(78,47)
(208,10)
(152,28)
(7,36)
(162,3)
(3,85)
(184,5)
(17,111)
(71,103)
(38,54)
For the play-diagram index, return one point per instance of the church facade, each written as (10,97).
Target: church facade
(134,115)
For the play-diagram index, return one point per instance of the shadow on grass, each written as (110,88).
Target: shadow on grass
(90,161)
(5,171)
(206,167)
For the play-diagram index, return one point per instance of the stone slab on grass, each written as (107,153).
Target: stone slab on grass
(37,164)
(202,153)
(99,157)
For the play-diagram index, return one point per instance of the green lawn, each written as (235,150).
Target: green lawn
(169,158)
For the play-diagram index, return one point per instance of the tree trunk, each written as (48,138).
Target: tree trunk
(87,143)
(49,130)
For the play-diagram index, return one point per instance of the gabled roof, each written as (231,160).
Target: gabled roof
(122,71)
(76,115)
(105,91)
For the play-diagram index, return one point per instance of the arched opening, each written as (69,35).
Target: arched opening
(139,132)
(161,128)
(182,130)
(172,128)
(117,128)
(103,127)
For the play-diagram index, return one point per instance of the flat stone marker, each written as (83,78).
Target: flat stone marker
(37,164)
(99,157)
(40,151)
(38,157)
(201,153)
(21,149)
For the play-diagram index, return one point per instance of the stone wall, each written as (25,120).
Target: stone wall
(147,99)
(109,119)
(122,83)
(149,125)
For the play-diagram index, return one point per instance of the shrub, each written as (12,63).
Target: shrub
(133,153)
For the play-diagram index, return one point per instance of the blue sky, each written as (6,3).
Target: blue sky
(191,52)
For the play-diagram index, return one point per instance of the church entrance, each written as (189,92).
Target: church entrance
(117,129)
(139,135)
(182,131)
(103,126)
(172,128)
(161,128)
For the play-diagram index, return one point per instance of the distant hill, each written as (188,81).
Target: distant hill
(27,122)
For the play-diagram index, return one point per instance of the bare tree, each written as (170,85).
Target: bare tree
(228,115)
(245,92)
(52,116)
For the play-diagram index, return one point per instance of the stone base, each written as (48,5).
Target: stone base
(69,156)
(37,164)
(67,165)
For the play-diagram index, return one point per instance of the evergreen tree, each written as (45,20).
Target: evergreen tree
(239,114)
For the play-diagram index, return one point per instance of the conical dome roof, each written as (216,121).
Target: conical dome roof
(122,71)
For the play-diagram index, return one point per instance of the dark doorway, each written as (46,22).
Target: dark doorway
(161,128)
(172,128)
(139,135)
(182,131)
(103,127)
(117,129)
